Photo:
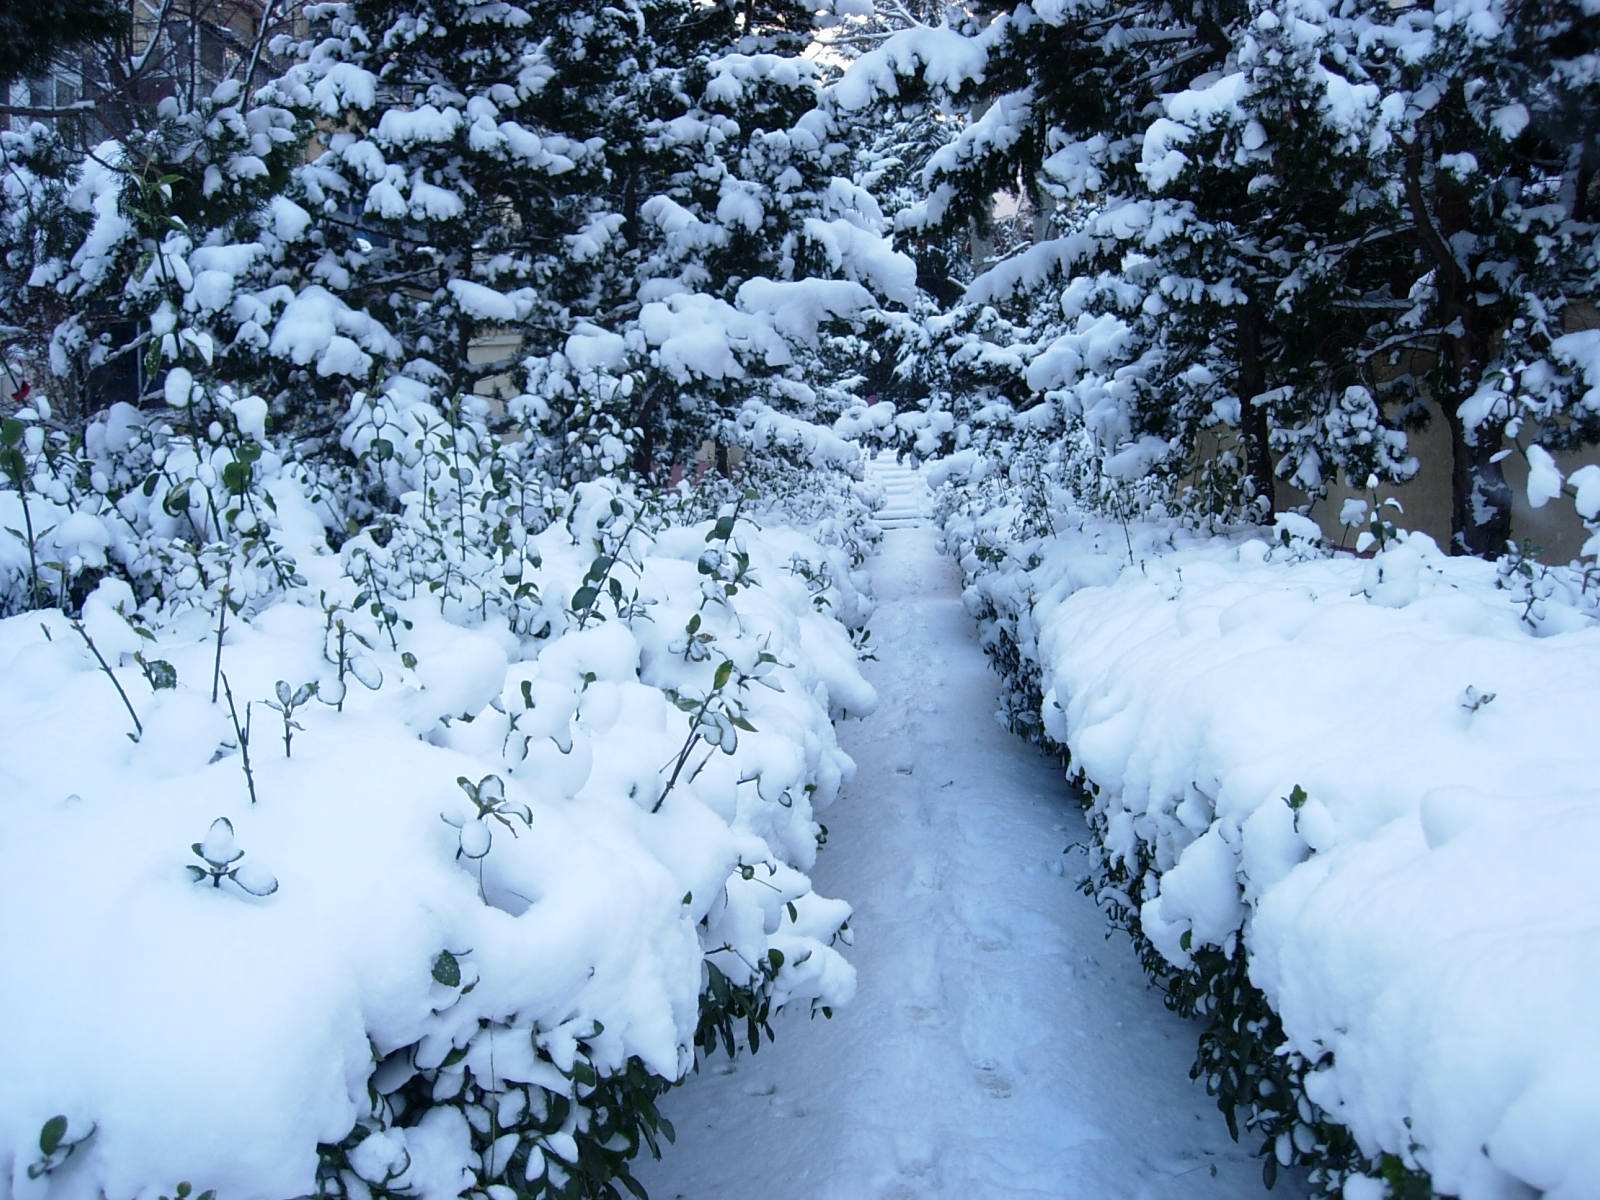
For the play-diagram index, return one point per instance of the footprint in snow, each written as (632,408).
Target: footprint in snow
(992,1080)
(990,937)
(921,1014)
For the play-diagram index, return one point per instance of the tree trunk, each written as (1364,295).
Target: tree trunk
(644,453)
(1253,417)
(1583,205)
(1480,497)
(630,207)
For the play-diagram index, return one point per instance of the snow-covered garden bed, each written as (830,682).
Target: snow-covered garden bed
(1348,807)
(418,861)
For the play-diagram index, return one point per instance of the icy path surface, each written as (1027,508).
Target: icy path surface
(999,1046)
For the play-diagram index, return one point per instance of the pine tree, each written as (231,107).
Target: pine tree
(32,34)
(1493,140)
(1281,228)
(1268,286)
(1055,103)
(442,194)
(125,260)
(640,198)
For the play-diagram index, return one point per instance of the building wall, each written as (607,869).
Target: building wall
(1554,530)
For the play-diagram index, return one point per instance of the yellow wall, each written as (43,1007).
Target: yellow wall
(1555,528)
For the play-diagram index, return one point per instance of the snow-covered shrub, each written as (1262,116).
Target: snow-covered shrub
(1017,485)
(551,765)
(551,848)
(834,506)
(181,503)
(1333,839)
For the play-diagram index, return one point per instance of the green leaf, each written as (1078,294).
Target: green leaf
(163,675)
(584,597)
(51,1133)
(724,673)
(10,431)
(176,502)
(236,477)
(559,1109)
(721,992)
(447,970)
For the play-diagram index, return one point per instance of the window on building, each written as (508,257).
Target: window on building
(60,89)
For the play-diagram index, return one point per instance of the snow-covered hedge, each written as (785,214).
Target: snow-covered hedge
(832,506)
(386,821)
(1348,809)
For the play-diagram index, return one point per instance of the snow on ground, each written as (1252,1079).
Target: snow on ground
(999,1045)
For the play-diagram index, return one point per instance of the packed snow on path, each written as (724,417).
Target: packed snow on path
(999,1045)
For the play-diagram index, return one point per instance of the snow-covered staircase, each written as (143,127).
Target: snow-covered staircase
(906,495)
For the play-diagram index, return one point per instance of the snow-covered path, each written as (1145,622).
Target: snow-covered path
(999,1046)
